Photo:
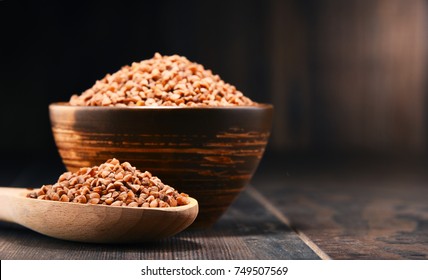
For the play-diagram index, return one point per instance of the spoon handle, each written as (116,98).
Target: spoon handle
(7,196)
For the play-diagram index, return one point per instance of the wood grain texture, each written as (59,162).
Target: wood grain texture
(361,211)
(246,231)
(94,223)
(208,153)
(291,77)
(349,76)
(372,62)
(350,211)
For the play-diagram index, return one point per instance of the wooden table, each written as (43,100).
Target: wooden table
(291,210)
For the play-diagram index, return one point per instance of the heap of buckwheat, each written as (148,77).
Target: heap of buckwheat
(112,183)
(162,81)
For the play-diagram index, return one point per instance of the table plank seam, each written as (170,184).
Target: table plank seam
(284,219)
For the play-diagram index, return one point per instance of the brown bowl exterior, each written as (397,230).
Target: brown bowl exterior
(209,153)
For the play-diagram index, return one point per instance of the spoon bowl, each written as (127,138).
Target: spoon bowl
(94,223)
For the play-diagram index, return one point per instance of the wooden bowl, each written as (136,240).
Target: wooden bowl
(209,153)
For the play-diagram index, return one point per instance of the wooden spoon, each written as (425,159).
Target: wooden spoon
(94,223)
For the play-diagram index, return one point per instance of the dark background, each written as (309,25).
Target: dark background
(347,78)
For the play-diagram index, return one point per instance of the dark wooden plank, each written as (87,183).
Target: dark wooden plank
(246,231)
(377,211)
(369,82)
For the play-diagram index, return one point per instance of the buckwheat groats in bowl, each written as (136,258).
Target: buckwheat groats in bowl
(174,118)
(162,81)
